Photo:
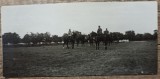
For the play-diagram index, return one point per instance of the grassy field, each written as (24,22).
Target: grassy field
(138,57)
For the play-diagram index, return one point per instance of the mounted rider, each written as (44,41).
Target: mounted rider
(106,34)
(69,33)
(106,31)
(99,31)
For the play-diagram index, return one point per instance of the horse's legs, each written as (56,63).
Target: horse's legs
(67,45)
(90,43)
(83,43)
(77,43)
(105,45)
(73,45)
(63,45)
(110,42)
(98,45)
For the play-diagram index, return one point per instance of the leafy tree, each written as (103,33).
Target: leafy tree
(55,38)
(147,36)
(130,35)
(47,38)
(139,37)
(59,39)
(116,36)
(13,38)
(120,36)
(34,38)
(40,37)
(27,39)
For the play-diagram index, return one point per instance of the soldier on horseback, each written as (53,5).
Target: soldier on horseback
(69,33)
(99,31)
(106,31)
(106,38)
(69,39)
(99,37)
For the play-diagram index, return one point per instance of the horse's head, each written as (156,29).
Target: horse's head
(93,34)
(65,35)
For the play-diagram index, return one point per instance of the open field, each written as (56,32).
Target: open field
(138,57)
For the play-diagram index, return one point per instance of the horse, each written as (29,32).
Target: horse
(106,40)
(83,39)
(110,38)
(90,40)
(77,37)
(80,38)
(69,39)
(97,38)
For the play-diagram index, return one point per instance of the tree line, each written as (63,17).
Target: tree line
(34,38)
(47,38)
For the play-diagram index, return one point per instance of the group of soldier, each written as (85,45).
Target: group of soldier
(99,31)
(91,38)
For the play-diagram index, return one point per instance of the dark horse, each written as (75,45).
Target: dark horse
(106,40)
(80,38)
(69,40)
(98,38)
(90,39)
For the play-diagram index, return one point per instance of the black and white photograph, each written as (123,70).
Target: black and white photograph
(80,39)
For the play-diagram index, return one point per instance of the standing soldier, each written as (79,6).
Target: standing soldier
(99,31)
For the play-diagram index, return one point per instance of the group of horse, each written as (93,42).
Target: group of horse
(92,38)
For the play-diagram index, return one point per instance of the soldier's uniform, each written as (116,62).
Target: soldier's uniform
(99,31)
(69,32)
(106,31)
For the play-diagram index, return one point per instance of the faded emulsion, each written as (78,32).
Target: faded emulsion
(80,39)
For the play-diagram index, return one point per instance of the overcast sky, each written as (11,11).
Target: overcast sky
(85,17)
